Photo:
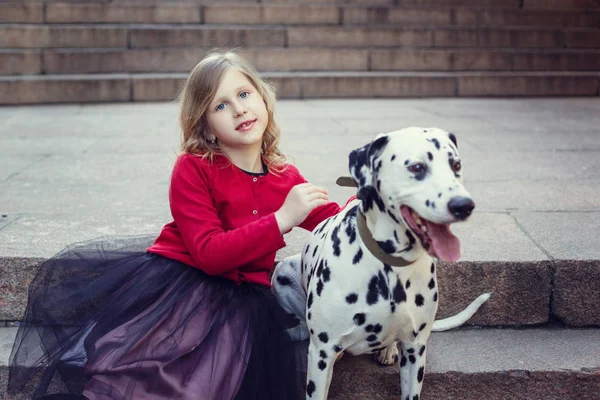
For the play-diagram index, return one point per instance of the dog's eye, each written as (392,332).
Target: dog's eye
(417,168)
(456,166)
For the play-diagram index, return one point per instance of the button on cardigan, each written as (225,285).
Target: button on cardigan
(224,221)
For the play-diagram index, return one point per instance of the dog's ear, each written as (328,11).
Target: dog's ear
(453,138)
(362,168)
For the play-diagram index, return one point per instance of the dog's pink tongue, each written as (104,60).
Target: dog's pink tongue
(445,245)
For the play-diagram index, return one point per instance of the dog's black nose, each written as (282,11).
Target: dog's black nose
(461,207)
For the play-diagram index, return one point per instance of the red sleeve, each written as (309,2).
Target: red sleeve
(321,213)
(214,250)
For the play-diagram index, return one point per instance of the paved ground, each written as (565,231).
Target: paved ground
(70,173)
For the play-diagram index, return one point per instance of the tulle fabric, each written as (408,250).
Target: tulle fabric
(107,320)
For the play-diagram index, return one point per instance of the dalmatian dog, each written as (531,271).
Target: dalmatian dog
(366,280)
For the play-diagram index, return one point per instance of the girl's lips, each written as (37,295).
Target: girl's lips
(245,126)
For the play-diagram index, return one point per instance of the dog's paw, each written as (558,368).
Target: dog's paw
(387,356)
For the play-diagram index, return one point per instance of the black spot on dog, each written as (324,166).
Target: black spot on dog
(312,332)
(453,138)
(435,142)
(377,287)
(306,249)
(319,287)
(377,328)
(326,274)
(408,283)
(419,300)
(310,388)
(323,337)
(337,348)
(371,338)
(387,246)
(427,203)
(378,185)
(410,351)
(359,318)
(403,361)
(423,325)
(392,216)
(336,241)
(392,307)
(406,162)
(283,280)
(433,204)
(370,197)
(430,156)
(431,284)
(396,236)
(357,256)
(399,294)
(393,157)
(310,300)
(432,268)
(415,334)
(309,315)
(435,296)
(369,328)
(439,195)
(374,344)
(422,350)
(412,359)
(352,298)
(322,354)
(315,250)
(387,268)
(415,397)
(411,240)
(322,365)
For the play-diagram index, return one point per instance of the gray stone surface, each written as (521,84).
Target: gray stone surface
(466,364)
(576,295)
(76,172)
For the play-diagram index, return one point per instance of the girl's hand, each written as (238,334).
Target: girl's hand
(300,201)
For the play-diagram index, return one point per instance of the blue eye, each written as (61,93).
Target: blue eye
(220,107)
(243,95)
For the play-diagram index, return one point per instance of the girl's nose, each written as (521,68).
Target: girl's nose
(239,108)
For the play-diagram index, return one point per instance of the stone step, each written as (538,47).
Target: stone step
(524,293)
(84,61)
(534,364)
(262,14)
(170,36)
(96,88)
(507,4)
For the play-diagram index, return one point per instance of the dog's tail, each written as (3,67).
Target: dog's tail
(457,320)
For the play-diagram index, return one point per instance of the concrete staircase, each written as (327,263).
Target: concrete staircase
(141,50)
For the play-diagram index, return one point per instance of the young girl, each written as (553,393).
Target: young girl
(192,316)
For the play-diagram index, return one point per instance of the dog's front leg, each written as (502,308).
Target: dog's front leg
(320,370)
(412,368)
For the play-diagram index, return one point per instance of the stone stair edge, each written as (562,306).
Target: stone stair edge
(512,5)
(99,88)
(460,365)
(526,293)
(306,74)
(128,26)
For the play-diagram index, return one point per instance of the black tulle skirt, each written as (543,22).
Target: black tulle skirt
(107,320)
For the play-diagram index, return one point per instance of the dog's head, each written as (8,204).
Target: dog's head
(414,176)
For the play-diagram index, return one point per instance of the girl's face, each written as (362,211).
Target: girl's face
(237,116)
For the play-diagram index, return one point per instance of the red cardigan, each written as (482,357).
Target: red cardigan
(224,221)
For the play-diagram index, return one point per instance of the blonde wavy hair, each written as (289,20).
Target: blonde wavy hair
(199,91)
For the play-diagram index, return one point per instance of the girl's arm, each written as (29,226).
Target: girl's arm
(215,250)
